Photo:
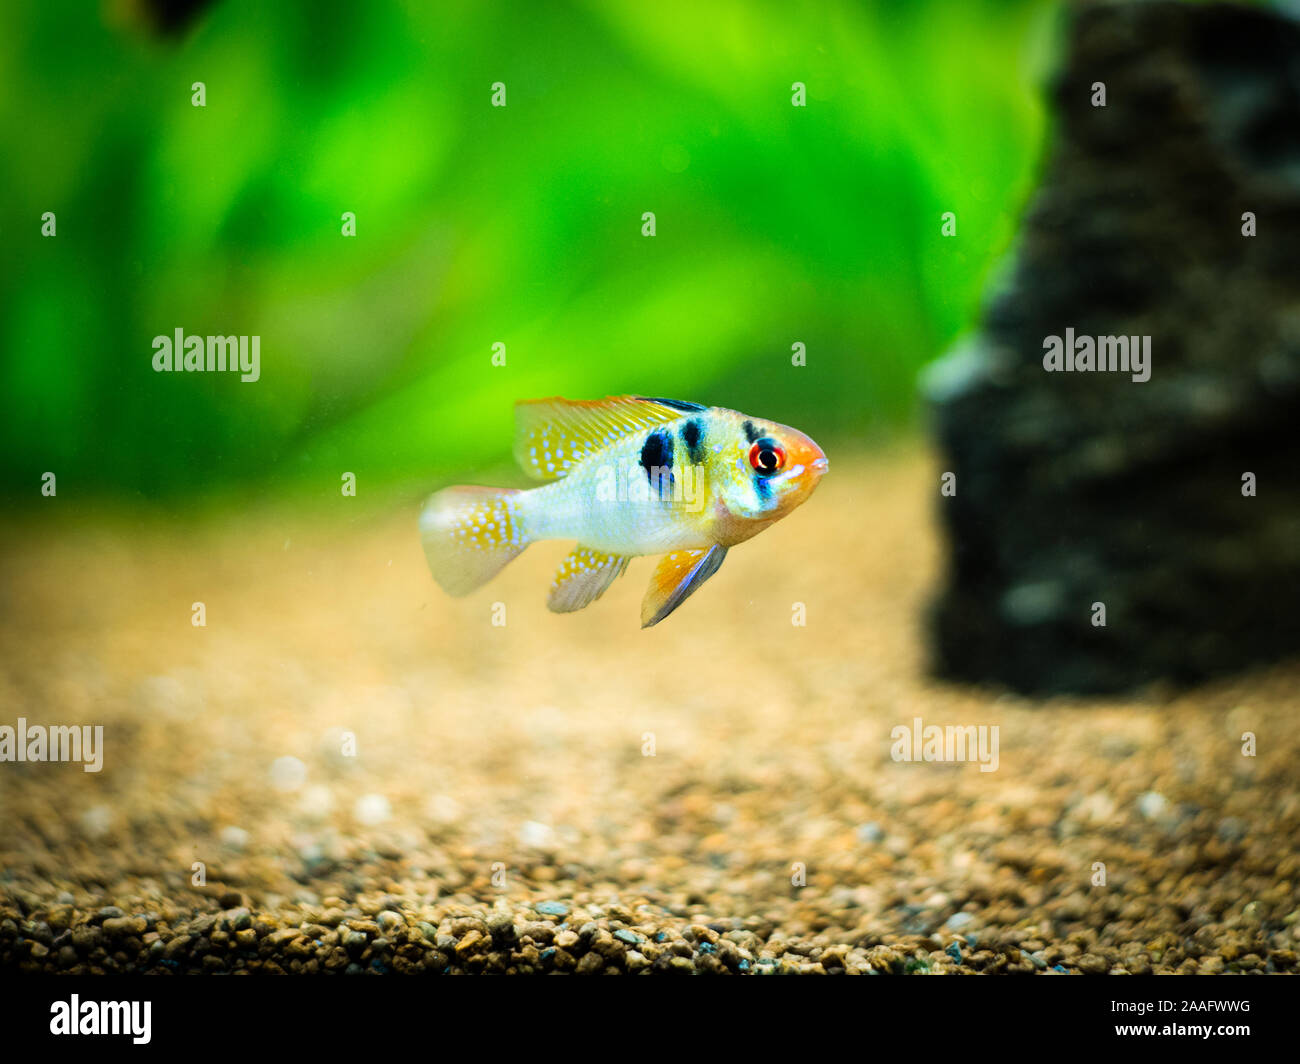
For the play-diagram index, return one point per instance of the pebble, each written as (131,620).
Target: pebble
(97,821)
(1153,805)
(120,926)
(590,964)
(501,926)
(372,809)
(535,834)
(234,837)
(870,833)
(1091,964)
(288,774)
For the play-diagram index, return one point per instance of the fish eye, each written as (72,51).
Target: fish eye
(766,456)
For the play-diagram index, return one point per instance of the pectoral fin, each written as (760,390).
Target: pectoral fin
(675,579)
(583,578)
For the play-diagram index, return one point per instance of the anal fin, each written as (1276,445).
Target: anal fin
(675,579)
(583,578)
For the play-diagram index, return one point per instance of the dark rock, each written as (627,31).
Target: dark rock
(501,927)
(590,964)
(1074,488)
(1091,964)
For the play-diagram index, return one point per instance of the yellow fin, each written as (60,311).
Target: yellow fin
(469,534)
(553,435)
(583,578)
(675,579)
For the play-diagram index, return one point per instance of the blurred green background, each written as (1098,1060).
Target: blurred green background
(477,224)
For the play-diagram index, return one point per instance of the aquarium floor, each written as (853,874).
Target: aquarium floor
(345,771)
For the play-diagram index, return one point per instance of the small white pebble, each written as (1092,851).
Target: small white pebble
(1152,805)
(317,800)
(535,833)
(371,809)
(288,773)
(97,821)
(442,807)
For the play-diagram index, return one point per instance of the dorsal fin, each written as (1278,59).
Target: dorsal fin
(553,435)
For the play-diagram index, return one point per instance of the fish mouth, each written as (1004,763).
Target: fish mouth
(819,466)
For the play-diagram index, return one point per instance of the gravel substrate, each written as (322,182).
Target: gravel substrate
(500,813)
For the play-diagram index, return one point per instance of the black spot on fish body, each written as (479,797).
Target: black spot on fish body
(752,435)
(657,461)
(693,436)
(676,404)
(657,450)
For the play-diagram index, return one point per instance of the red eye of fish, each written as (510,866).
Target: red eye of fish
(767,457)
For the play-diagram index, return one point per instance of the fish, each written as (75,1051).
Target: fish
(626,476)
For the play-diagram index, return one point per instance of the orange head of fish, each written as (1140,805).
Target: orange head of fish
(764,470)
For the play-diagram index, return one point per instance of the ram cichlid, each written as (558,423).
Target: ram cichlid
(628,476)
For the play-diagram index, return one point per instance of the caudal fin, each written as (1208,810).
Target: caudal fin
(469,535)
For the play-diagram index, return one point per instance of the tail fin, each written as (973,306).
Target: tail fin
(469,535)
